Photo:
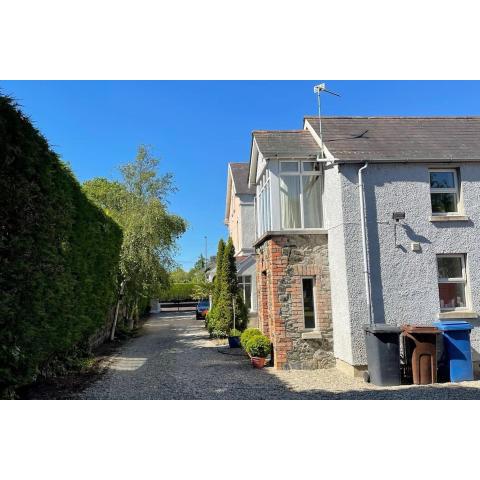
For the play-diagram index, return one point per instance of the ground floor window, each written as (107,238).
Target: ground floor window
(452,280)
(245,286)
(308,302)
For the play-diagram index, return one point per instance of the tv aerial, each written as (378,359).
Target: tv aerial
(318,89)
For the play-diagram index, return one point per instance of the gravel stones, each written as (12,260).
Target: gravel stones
(175,359)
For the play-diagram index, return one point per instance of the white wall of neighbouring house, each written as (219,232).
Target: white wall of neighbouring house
(248,267)
(404,282)
(246,224)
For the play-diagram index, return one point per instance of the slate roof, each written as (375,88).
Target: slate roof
(286,143)
(240,178)
(401,138)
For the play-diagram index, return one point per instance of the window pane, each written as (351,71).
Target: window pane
(247,279)
(452,295)
(308,309)
(289,167)
(311,166)
(248,296)
(290,201)
(450,267)
(442,180)
(269,217)
(312,201)
(444,202)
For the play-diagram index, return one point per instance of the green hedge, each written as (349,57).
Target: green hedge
(58,254)
(178,292)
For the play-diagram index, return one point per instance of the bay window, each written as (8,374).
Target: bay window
(263,207)
(245,286)
(300,194)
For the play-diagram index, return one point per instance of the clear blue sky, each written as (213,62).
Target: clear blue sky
(196,128)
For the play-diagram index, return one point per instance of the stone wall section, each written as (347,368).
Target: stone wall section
(282,262)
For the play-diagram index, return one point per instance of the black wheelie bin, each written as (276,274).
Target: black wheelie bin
(383,354)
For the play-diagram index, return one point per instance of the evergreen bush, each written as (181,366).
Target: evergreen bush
(178,292)
(248,334)
(210,319)
(258,346)
(59,255)
(221,320)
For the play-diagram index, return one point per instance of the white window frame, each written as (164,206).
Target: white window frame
(263,205)
(455,190)
(301,173)
(242,284)
(314,292)
(463,280)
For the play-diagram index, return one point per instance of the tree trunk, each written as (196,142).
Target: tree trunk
(135,315)
(131,319)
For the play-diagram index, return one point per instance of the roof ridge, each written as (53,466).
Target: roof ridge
(279,131)
(394,117)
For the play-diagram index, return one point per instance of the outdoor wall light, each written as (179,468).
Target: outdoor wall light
(398,216)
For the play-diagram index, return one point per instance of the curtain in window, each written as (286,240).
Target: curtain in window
(312,201)
(290,201)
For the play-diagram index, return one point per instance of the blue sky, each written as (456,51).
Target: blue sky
(196,128)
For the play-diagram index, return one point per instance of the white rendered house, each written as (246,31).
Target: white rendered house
(421,205)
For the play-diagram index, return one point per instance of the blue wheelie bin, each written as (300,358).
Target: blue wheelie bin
(458,354)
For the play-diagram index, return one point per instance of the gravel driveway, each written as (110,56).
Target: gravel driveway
(175,359)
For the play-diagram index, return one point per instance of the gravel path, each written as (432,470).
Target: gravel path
(175,359)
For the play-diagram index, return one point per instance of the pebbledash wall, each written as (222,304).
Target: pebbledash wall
(282,261)
(404,282)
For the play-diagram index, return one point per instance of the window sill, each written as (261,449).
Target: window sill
(449,218)
(312,335)
(457,314)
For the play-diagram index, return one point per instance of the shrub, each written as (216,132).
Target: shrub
(234,333)
(178,292)
(247,334)
(258,346)
(59,255)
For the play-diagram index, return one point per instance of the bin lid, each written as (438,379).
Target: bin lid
(449,325)
(420,329)
(381,328)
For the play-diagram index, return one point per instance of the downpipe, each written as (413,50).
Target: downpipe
(366,263)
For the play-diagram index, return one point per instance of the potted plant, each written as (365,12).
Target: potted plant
(258,347)
(234,338)
(247,335)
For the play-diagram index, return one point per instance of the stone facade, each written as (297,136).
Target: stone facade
(282,262)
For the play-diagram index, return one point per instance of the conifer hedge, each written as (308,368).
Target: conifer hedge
(58,254)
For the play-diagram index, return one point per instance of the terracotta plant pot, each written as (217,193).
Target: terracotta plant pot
(258,362)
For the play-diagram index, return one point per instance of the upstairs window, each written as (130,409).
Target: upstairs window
(300,195)
(444,192)
(452,280)
(263,207)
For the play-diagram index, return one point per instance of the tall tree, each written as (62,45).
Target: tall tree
(218,267)
(228,296)
(138,204)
